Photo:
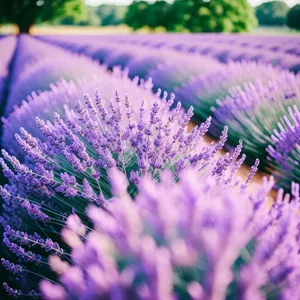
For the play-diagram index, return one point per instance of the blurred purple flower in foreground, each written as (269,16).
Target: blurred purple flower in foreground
(191,239)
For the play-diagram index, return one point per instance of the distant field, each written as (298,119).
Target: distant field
(123,29)
(46,29)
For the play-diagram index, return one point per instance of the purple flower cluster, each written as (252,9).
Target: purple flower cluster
(66,160)
(34,69)
(254,112)
(206,90)
(7,46)
(284,152)
(208,240)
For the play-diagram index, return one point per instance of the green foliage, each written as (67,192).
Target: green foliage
(293,17)
(193,16)
(272,13)
(141,14)
(75,12)
(103,15)
(111,14)
(25,13)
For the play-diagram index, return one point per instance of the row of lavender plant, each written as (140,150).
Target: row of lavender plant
(282,44)
(38,64)
(285,55)
(7,46)
(249,97)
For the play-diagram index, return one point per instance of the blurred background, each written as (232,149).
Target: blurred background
(125,16)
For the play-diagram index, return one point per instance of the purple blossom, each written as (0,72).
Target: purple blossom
(143,249)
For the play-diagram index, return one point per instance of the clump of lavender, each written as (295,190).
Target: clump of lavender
(206,90)
(284,152)
(66,168)
(252,113)
(187,240)
(41,73)
(45,104)
(174,74)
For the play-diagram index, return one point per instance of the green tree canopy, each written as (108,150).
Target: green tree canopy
(293,17)
(193,16)
(272,13)
(25,13)
(142,13)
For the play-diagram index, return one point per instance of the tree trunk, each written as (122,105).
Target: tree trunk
(24,28)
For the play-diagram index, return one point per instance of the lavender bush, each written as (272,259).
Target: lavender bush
(253,113)
(66,168)
(212,244)
(39,75)
(205,91)
(45,104)
(284,152)
(175,74)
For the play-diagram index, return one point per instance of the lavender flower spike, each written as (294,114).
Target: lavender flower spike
(207,242)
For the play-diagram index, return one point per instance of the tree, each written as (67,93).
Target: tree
(142,13)
(193,15)
(211,16)
(272,13)
(293,17)
(111,14)
(25,13)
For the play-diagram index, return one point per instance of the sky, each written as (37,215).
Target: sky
(127,2)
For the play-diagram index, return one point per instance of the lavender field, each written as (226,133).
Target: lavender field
(124,161)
